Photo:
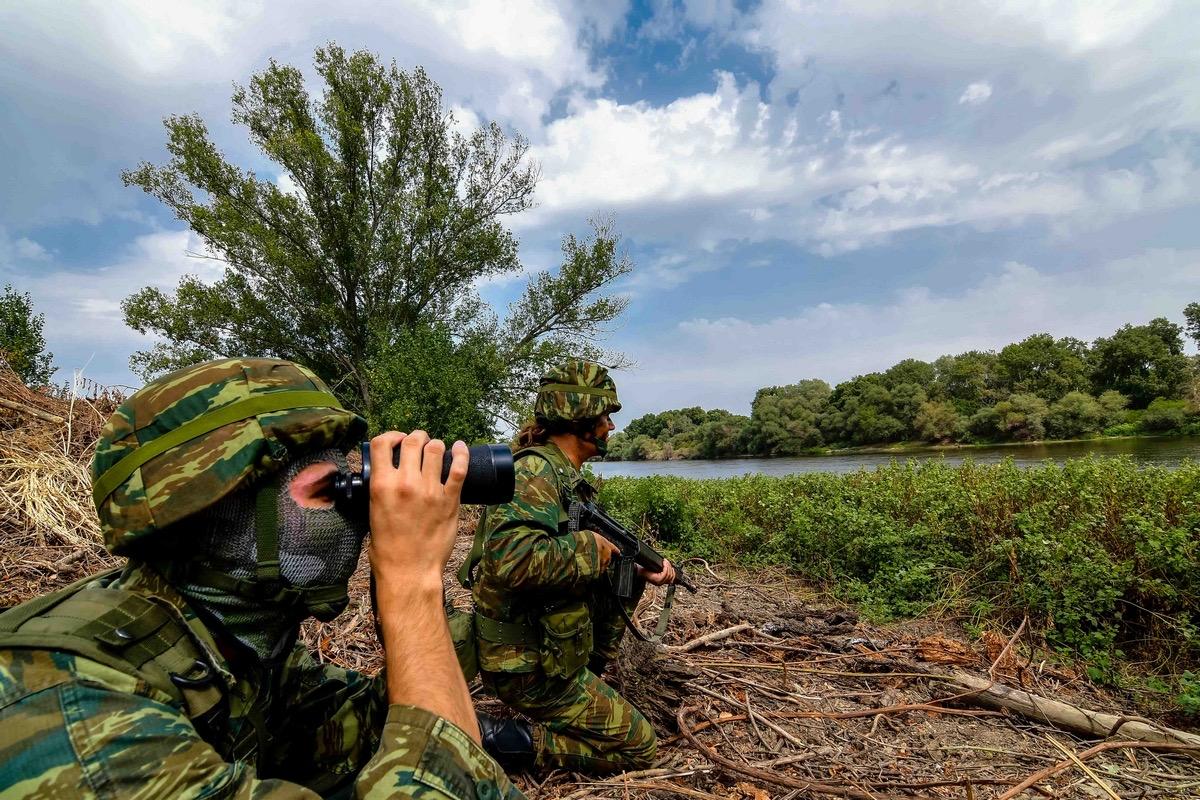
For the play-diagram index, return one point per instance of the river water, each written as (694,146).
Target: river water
(1167,451)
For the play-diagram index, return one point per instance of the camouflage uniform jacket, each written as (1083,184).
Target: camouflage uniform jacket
(532,562)
(73,727)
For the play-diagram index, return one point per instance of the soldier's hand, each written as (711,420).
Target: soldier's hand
(663,577)
(414,516)
(606,549)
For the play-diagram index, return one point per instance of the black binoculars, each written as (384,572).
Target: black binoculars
(490,478)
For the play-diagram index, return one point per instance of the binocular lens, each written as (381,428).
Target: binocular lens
(490,478)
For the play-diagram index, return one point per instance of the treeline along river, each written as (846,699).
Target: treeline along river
(1164,451)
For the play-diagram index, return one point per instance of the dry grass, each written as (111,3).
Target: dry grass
(47,522)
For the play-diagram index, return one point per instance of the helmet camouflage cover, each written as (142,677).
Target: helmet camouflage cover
(576,390)
(186,440)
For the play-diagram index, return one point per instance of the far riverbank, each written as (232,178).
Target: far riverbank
(1167,451)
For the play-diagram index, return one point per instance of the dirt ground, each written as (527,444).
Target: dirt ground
(799,697)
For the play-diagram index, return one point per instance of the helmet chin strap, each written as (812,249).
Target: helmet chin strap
(601,445)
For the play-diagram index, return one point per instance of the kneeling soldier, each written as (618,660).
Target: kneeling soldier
(546,620)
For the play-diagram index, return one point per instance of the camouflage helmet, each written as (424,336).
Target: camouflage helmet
(576,390)
(186,440)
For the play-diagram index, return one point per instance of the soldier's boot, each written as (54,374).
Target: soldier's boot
(509,741)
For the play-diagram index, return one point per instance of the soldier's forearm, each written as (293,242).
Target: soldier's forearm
(422,669)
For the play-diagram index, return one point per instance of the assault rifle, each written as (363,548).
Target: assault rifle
(634,552)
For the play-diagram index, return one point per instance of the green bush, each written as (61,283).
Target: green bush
(1164,416)
(1102,555)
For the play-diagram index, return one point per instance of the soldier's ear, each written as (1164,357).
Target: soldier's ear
(313,486)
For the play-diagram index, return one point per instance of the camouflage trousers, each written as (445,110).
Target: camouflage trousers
(580,723)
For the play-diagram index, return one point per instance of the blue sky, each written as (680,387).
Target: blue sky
(807,189)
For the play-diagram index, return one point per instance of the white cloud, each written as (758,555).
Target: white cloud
(725,360)
(83,308)
(84,84)
(22,249)
(858,137)
(975,93)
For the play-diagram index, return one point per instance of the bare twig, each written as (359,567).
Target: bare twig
(1041,775)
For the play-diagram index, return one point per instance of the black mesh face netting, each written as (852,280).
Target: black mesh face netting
(225,537)
(317,546)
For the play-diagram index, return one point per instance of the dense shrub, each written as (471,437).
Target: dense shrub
(1101,554)
(1164,415)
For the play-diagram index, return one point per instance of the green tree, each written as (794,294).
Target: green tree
(968,380)
(1142,362)
(919,373)
(861,411)
(1191,315)
(1163,415)
(722,435)
(1043,366)
(907,399)
(1022,417)
(1075,414)
(22,344)
(646,425)
(939,421)
(784,419)
(1113,404)
(429,380)
(394,219)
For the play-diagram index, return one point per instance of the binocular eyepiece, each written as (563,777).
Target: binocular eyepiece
(490,478)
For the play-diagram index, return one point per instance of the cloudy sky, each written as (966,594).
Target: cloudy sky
(807,189)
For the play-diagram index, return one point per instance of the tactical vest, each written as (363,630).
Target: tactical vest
(125,631)
(465,627)
(466,577)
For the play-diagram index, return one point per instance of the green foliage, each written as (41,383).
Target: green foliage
(784,419)
(1074,415)
(1043,366)
(968,380)
(394,220)
(22,344)
(1102,555)
(1163,416)
(862,411)
(939,421)
(1191,315)
(1142,362)
(427,380)
(1188,699)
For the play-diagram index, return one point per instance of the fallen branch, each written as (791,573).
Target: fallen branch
(1094,724)
(33,412)
(709,638)
(1041,775)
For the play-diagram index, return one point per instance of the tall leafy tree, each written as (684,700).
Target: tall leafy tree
(1142,362)
(1191,315)
(784,419)
(369,245)
(1043,366)
(967,380)
(22,344)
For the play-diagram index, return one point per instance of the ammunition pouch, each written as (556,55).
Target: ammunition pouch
(566,639)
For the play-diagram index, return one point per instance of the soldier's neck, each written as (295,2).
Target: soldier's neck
(575,449)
